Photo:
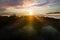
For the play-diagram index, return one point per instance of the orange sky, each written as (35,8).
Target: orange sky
(27,2)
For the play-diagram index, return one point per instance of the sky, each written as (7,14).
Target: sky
(22,6)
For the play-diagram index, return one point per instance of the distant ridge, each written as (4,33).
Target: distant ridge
(54,13)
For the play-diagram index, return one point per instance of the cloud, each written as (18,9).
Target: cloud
(10,2)
(45,2)
(24,2)
(18,4)
(27,2)
(2,9)
(14,2)
(39,3)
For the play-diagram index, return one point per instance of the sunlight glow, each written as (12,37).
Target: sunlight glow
(41,19)
(30,12)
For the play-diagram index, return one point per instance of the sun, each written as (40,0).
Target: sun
(30,12)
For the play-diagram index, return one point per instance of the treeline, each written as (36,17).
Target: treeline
(12,27)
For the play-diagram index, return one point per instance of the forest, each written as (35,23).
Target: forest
(15,28)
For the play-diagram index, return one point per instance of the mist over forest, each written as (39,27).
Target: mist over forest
(17,28)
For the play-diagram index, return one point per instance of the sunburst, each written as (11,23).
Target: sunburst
(30,12)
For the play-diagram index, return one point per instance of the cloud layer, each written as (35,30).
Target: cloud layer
(22,2)
(10,2)
(17,4)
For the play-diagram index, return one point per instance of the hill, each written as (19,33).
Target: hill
(54,13)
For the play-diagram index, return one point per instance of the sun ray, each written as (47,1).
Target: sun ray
(40,19)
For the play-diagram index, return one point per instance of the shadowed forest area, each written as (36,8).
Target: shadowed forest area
(39,28)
